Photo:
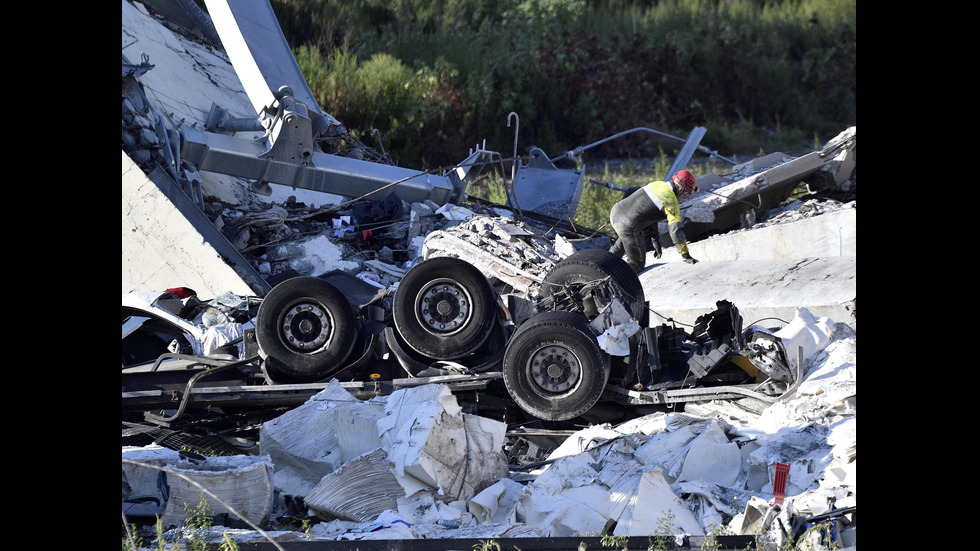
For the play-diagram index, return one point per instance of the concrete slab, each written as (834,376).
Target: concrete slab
(162,248)
(767,272)
(377,491)
(645,500)
(760,289)
(830,234)
(171,484)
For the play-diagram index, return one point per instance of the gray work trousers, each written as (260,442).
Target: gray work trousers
(631,217)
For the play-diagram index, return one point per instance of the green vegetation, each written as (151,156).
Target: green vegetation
(662,538)
(193,535)
(436,76)
(711,541)
(614,541)
(487,545)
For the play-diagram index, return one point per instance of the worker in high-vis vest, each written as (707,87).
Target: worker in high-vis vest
(633,214)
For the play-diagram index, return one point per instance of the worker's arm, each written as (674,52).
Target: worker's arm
(674,222)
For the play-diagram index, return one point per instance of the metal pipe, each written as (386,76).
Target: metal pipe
(517,127)
(578,151)
(513,165)
(377,134)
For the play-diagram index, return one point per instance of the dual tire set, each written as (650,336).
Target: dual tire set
(445,309)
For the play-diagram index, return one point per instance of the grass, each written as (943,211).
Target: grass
(195,534)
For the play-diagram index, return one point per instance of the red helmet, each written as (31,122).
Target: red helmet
(685,182)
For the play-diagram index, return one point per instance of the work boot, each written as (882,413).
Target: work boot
(618,248)
(637,266)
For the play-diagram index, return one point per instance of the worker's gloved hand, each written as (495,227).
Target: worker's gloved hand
(657,251)
(687,258)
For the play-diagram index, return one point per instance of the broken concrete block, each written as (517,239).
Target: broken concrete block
(612,471)
(497,503)
(433,446)
(751,521)
(804,449)
(582,440)
(649,504)
(757,164)
(455,212)
(356,427)
(419,508)
(712,458)
(141,472)
(667,450)
(807,333)
(710,181)
(563,247)
(360,490)
(239,486)
(424,437)
(567,472)
(712,503)
(697,213)
(558,515)
(428,515)
(303,443)
(486,462)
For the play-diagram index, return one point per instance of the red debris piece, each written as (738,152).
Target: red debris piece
(779,482)
(181,292)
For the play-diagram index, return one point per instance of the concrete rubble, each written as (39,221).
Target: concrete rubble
(223,486)
(413,440)
(412,465)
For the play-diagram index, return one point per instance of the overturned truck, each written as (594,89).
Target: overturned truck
(577,334)
(550,339)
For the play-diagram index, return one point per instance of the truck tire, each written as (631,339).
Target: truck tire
(589,265)
(553,366)
(444,308)
(305,329)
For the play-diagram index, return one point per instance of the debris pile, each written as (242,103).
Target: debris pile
(422,468)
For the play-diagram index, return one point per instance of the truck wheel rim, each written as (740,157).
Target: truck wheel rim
(554,369)
(444,307)
(306,327)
